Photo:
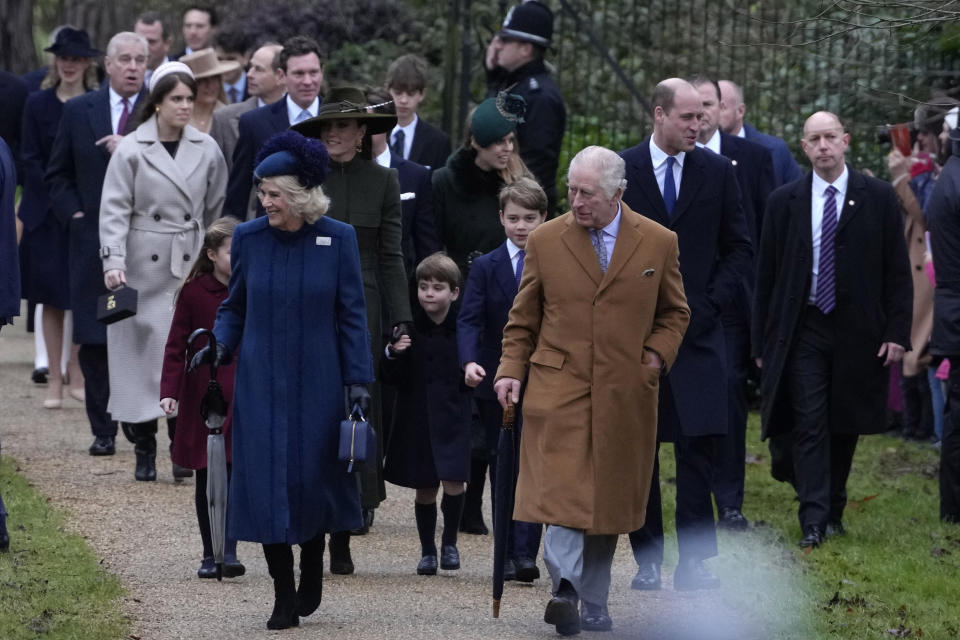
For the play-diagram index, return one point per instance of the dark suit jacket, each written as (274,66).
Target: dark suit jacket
(487,298)
(9,260)
(715,257)
(785,167)
(14,92)
(430,146)
(874,300)
(420,237)
(254,129)
(75,179)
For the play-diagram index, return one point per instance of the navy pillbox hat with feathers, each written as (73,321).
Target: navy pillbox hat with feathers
(291,154)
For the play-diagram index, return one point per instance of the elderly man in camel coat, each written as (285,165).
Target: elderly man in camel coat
(599,317)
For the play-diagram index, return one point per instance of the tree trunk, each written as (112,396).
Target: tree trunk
(17,53)
(100,19)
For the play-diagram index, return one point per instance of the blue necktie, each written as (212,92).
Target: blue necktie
(519,271)
(669,187)
(596,236)
(398,146)
(826,298)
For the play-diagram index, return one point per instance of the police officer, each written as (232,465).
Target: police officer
(515,61)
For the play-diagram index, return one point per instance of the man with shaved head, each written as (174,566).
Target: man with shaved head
(693,192)
(832,310)
(732,110)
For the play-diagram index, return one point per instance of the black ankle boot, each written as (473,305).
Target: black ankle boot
(280,564)
(146,460)
(310,591)
(340,561)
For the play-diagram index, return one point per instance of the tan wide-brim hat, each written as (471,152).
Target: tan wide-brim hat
(343,103)
(205,63)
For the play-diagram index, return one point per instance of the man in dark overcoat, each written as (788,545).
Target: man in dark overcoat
(832,310)
(694,193)
(90,129)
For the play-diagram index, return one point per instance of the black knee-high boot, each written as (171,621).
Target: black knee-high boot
(452,508)
(280,564)
(472,520)
(310,591)
(340,561)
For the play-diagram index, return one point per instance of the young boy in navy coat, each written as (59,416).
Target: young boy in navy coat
(430,441)
(491,287)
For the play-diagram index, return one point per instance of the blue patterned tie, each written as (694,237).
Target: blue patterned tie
(398,143)
(826,298)
(519,271)
(669,187)
(596,237)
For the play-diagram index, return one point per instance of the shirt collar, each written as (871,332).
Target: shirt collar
(512,249)
(384,158)
(742,133)
(713,144)
(659,156)
(613,229)
(293,109)
(240,84)
(407,130)
(840,184)
(115,99)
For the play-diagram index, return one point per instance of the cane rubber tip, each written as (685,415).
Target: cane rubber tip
(496,608)
(219,572)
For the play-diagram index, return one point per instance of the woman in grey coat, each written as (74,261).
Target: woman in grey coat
(165,182)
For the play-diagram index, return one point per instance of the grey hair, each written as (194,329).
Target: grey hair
(611,167)
(126,37)
(737,89)
(307,203)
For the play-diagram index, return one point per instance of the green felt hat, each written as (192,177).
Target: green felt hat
(495,117)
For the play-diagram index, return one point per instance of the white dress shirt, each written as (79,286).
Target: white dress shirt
(116,109)
(408,132)
(240,85)
(294,110)
(514,252)
(817,200)
(384,158)
(659,158)
(742,133)
(713,144)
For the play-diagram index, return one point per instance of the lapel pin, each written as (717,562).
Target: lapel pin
(323,241)
(851,202)
(734,162)
(648,272)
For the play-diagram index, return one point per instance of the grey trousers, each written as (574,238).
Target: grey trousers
(583,561)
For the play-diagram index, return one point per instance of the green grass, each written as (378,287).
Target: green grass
(51,584)
(896,573)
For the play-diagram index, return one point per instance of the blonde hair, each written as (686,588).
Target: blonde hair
(52,79)
(307,203)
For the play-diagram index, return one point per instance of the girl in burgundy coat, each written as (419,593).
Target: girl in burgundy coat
(204,288)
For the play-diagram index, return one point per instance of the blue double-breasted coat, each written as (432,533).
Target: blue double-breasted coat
(296,311)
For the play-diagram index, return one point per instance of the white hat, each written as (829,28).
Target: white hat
(166,69)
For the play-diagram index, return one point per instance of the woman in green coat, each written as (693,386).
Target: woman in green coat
(367,196)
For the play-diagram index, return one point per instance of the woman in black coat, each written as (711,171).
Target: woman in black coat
(43,249)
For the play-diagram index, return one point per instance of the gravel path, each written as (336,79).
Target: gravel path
(146,534)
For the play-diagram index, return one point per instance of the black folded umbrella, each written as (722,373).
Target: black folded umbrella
(503,501)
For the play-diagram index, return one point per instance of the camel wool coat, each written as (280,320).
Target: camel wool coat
(153,213)
(917,359)
(590,405)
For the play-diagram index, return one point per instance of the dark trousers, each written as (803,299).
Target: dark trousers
(96,388)
(696,528)
(523,540)
(728,470)
(917,413)
(950,448)
(821,458)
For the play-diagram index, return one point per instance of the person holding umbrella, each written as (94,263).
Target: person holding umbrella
(296,297)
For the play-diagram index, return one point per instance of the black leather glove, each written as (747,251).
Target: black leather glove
(358,396)
(399,330)
(217,356)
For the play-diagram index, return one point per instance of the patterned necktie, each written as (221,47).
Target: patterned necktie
(669,187)
(304,115)
(519,272)
(397,146)
(826,298)
(124,116)
(234,95)
(596,236)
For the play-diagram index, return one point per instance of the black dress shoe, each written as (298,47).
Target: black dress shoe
(146,469)
(527,570)
(39,375)
(647,578)
(835,528)
(509,570)
(449,557)
(562,611)
(732,520)
(232,568)
(812,537)
(427,566)
(692,574)
(340,561)
(594,617)
(208,568)
(103,446)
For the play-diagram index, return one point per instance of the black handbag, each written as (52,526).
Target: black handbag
(358,440)
(116,305)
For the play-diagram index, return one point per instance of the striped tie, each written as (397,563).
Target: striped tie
(826,298)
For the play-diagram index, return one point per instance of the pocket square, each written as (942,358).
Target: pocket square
(648,272)
(409,195)
(323,241)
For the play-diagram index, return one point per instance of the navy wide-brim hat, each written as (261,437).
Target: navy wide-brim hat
(73,43)
(290,154)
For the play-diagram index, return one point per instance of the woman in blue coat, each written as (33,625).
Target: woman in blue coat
(43,249)
(296,312)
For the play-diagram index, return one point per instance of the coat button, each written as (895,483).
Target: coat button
(154,257)
(187,217)
(186,257)
(156,217)
(919,267)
